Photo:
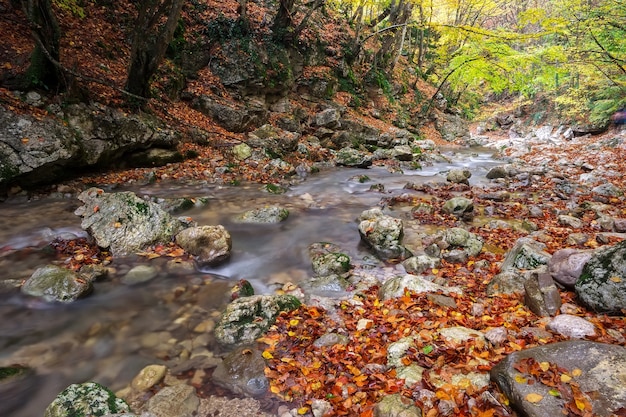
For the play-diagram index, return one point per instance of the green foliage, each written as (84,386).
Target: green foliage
(72,6)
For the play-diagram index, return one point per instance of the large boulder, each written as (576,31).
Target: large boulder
(125,223)
(383,234)
(602,284)
(354,158)
(596,370)
(85,400)
(210,245)
(246,319)
(36,151)
(526,254)
(243,372)
(54,283)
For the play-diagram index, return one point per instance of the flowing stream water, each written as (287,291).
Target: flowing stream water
(110,335)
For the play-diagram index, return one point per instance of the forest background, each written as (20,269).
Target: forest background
(570,54)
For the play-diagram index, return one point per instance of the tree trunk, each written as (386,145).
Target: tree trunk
(150,41)
(283,22)
(43,72)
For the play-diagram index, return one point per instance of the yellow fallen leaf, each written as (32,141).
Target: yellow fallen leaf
(616,279)
(294,322)
(520,379)
(577,372)
(275,389)
(534,398)
(267,355)
(565,378)
(303,410)
(544,366)
(580,404)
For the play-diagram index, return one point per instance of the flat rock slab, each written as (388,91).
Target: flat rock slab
(603,377)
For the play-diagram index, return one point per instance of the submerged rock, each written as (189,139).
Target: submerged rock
(602,374)
(210,245)
(125,223)
(602,284)
(17,385)
(272,214)
(54,283)
(86,400)
(242,372)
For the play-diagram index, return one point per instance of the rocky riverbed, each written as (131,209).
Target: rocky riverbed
(414,283)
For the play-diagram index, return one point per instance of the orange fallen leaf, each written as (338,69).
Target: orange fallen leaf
(534,398)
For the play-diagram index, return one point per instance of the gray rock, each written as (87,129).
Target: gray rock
(34,151)
(570,221)
(233,118)
(210,245)
(525,254)
(383,234)
(420,263)
(327,259)
(541,295)
(327,285)
(54,283)
(571,326)
(603,374)
(139,274)
(397,350)
(460,207)
(271,214)
(502,171)
(566,265)
(607,189)
(351,157)
(395,287)
(459,238)
(329,118)
(396,405)
(508,282)
(123,222)
(85,400)
(242,151)
(247,318)
(459,176)
(175,401)
(275,141)
(242,372)
(602,284)
(452,127)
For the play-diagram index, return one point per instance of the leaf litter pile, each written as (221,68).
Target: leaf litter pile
(353,375)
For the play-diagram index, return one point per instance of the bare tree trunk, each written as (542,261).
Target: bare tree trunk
(150,41)
(45,30)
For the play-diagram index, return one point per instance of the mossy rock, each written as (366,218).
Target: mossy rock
(86,400)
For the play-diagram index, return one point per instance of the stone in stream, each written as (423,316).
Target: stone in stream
(351,157)
(598,369)
(246,319)
(602,284)
(86,400)
(383,234)
(175,401)
(271,214)
(54,283)
(460,207)
(125,223)
(210,245)
(242,372)
(328,259)
(459,176)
